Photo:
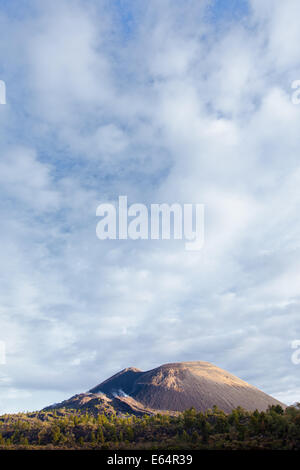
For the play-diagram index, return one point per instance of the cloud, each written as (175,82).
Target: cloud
(171,106)
(27,180)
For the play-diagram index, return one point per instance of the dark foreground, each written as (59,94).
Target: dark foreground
(275,429)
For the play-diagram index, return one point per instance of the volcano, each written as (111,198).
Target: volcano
(179,386)
(171,388)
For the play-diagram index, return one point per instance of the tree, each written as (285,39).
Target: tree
(55,434)
(189,417)
(100,435)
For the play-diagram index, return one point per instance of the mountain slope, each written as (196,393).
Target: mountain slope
(170,388)
(178,386)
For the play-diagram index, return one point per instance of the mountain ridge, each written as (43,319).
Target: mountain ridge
(172,388)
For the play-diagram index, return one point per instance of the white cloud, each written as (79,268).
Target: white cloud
(27,180)
(175,110)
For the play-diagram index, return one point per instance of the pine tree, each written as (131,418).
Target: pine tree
(100,435)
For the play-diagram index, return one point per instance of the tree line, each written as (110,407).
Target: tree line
(64,428)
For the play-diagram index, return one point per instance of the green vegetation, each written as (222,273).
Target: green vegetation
(71,429)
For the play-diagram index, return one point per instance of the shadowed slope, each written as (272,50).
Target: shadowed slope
(179,386)
(122,381)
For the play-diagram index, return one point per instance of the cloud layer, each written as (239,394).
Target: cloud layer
(164,102)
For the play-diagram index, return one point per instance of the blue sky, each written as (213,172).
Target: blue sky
(228,10)
(163,101)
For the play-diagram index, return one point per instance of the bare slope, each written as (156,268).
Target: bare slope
(96,403)
(179,386)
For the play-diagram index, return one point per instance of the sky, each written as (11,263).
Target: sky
(161,101)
